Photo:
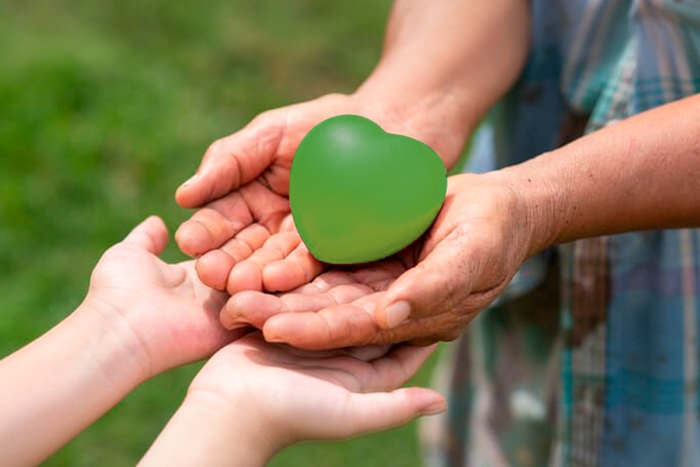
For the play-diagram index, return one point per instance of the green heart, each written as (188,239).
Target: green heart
(359,194)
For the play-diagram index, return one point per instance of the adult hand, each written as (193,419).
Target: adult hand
(426,293)
(242,184)
(164,315)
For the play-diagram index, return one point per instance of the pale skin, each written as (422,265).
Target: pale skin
(253,398)
(141,317)
(638,174)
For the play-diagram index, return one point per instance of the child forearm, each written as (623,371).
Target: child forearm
(203,431)
(54,387)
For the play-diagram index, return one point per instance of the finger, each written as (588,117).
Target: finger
(233,161)
(255,308)
(351,325)
(221,220)
(214,267)
(297,269)
(386,371)
(397,367)
(326,282)
(211,226)
(372,277)
(437,283)
(151,235)
(250,308)
(333,327)
(378,411)
(248,274)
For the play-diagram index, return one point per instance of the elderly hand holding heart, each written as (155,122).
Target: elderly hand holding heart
(242,185)
(441,281)
(466,241)
(487,226)
(245,238)
(252,264)
(243,235)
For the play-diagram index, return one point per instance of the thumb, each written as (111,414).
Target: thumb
(150,235)
(441,277)
(378,411)
(233,161)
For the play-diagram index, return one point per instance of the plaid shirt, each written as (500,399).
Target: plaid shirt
(590,357)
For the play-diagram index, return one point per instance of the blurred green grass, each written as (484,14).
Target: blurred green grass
(105,107)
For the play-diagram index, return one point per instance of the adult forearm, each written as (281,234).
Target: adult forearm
(641,173)
(56,386)
(451,59)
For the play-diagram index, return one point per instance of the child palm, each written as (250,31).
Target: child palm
(299,395)
(167,317)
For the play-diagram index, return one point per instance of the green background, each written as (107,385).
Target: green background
(105,107)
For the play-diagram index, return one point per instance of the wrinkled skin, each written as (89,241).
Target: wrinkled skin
(465,260)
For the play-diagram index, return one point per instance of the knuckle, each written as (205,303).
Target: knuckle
(264,119)
(216,147)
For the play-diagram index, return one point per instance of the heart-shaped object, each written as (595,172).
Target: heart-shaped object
(359,194)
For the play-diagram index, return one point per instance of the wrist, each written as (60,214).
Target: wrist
(242,420)
(207,429)
(541,209)
(113,345)
(442,117)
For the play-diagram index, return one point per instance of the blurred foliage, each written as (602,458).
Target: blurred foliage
(105,107)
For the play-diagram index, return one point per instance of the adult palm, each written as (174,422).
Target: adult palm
(425,293)
(242,184)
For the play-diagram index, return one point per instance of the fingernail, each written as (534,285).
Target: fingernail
(273,339)
(189,180)
(435,408)
(232,324)
(397,313)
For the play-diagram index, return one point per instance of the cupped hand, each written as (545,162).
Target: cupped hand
(428,292)
(165,316)
(287,395)
(242,184)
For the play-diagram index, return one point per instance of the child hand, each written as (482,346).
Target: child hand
(141,316)
(164,315)
(253,398)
